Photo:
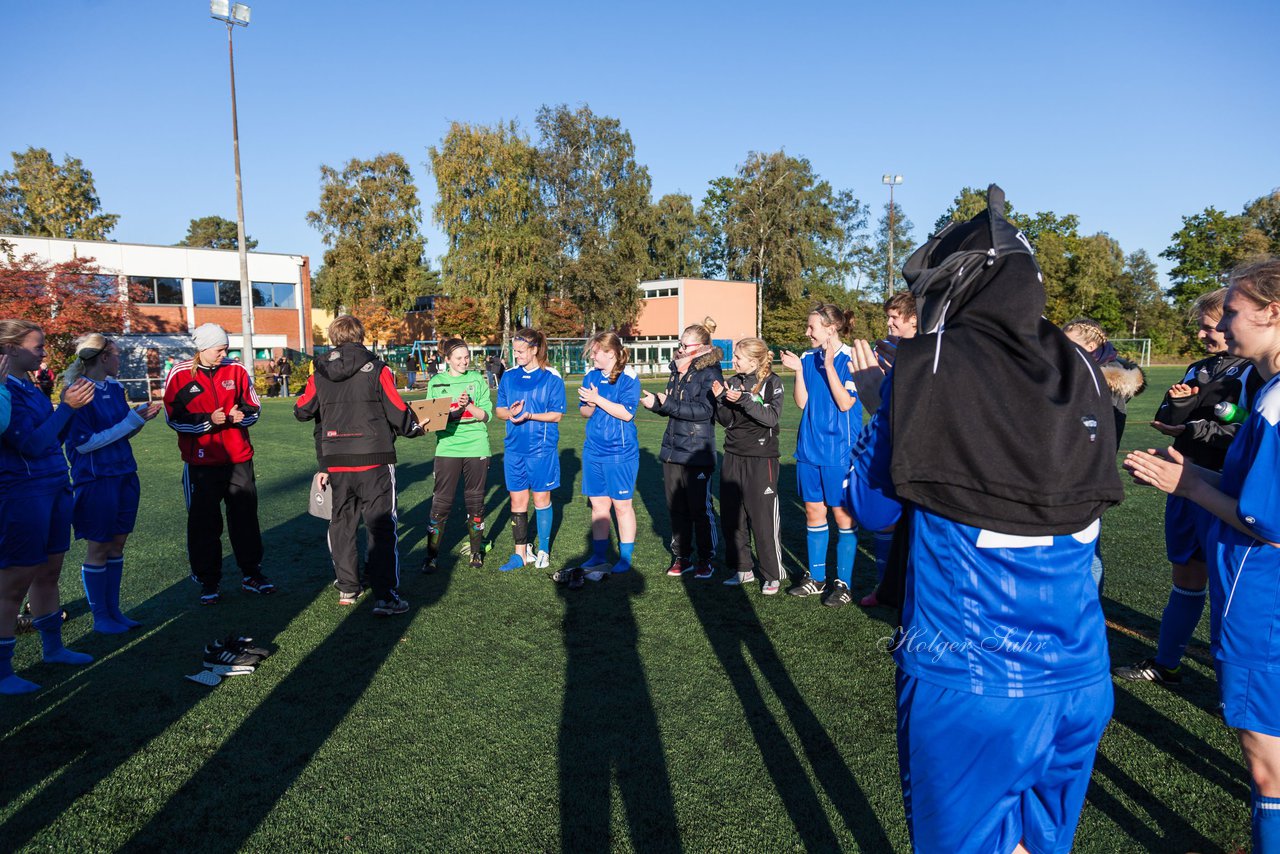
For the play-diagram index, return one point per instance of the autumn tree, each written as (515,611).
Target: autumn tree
(597,201)
(468,318)
(491,212)
(215,232)
(381,324)
(559,318)
(369,218)
(42,199)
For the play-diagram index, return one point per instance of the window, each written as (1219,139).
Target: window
(211,292)
(660,292)
(273,295)
(156,290)
(228,293)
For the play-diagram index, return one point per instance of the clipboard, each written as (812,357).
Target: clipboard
(432,413)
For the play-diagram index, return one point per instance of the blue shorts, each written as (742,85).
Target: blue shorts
(32,527)
(106,508)
(959,799)
(611,476)
(1250,698)
(1184,529)
(540,473)
(821,484)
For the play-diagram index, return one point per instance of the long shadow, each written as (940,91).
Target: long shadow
(89,747)
(736,635)
(1176,833)
(608,726)
(221,805)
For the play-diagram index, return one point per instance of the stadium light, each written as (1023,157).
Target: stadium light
(237,15)
(892,181)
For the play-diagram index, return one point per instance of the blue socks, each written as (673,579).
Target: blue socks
(50,626)
(1177,624)
(115,569)
(599,553)
(817,541)
(882,542)
(846,553)
(1266,825)
(624,557)
(9,683)
(543,517)
(514,562)
(95,581)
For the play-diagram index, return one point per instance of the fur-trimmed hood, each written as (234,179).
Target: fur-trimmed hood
(1124,378)
(714,356)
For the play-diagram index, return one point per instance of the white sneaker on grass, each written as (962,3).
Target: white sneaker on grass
(542,560)
(740,578)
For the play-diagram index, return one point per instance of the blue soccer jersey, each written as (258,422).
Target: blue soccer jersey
(985,612)
(102,428)
(826,435)
(608,436)
(542,390)
(31,459)
(1244,571)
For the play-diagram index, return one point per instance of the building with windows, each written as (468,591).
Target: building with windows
(184,287)
(670,305)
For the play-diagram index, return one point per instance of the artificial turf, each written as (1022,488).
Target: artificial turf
(505,713)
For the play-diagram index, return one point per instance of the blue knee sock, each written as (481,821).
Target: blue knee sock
(600,550)
(1177,624)
(882,541)
(846,553)
(544,516)
(1266,825)
(10,683)
(50,626)
(624,557)
(817,539)
(95,582)
(115,570)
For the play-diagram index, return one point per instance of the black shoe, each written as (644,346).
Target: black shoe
(209,593)
(806,587)
(223,657)
(257,583)
(390,607)
(25,623)
(429,564)
(240,645)
(577,577)
(837,595)
(1148,670)
(476,543)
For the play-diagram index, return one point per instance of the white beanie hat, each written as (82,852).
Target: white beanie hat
(210,335)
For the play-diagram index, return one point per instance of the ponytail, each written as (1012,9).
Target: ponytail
(88,349)
(757,350)
(536,340)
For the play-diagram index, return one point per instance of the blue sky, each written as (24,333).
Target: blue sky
(1128,114)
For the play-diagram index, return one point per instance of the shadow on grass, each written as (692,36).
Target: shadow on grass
(608,726)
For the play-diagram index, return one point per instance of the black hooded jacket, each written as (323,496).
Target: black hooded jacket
(690,437)
(352,398)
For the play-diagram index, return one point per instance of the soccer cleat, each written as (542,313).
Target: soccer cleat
(345,598)
(576,576)
(257,583)
(1148,670)
(740,578)
(24,625)
(806,587)
(390,607)
(209,593)
(542,560)
(769,588)
(837,595)
(679,567)
(704,572)
(244,646)
(223,657)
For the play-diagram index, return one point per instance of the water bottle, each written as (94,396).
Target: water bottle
(1228,413)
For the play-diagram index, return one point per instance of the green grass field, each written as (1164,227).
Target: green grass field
(503,713)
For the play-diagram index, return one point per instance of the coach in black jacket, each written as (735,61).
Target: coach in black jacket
(352,398)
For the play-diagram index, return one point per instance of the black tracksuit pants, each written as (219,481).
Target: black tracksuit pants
(207,488)
(368,495)
(688,491)
(472,471)
(749,506)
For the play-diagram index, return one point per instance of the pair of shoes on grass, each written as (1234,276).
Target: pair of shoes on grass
(834,593)
(1149,670)
(681,565)
(256,583)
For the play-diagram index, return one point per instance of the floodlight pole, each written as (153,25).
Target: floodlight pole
(891,180)
(246,290)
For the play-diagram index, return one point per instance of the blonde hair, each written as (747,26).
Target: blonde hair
(346,329)
(1208,305)
(1088,329)
(610,341)
(758,351)
(1259,281)
(12,330)
(703,330)
(88,348)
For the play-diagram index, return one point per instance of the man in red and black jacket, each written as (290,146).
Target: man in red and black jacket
(210,401)
(352,397)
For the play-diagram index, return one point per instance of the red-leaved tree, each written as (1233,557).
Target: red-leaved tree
(68,299)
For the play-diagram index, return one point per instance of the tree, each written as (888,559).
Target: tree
(214,232)
(1205,250)
(597,201)
(464,317)
(850,246)
(877,260)
(1263,214)
(559,318)
(673,238)
(968,204)
(43,199)
(368,217)
(491,212)
(67,299)
(380,323)
(777,223)
(713,214)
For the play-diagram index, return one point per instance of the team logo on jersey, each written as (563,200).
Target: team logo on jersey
(229,385)
(1090,423)
(368,366)
(195,389)
(334,356)
(768,490)
(1233,370)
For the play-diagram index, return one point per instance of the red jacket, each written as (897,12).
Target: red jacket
(190,399)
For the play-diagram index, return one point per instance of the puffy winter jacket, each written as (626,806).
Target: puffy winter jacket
(690,406)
